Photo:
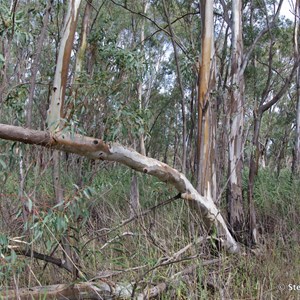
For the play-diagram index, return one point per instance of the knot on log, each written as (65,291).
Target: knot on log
(187,196)
(101,155)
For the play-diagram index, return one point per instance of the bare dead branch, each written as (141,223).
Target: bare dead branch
(98,149)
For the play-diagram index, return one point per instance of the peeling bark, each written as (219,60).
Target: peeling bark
(98,149)
(206,143)
(236,112)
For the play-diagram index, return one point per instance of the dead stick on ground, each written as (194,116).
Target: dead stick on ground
(127,221)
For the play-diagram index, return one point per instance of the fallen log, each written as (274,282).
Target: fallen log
(98,149)
(79,291)
(102,289)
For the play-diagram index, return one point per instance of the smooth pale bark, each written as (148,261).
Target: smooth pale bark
(83,40)
(238,65)
(55,111)
(97,149)
(206,179)
(62,66)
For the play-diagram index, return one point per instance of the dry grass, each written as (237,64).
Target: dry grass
(156,247)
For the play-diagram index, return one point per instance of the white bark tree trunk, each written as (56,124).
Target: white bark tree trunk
(206,179)
(236,123)
(62,65)
(56,107)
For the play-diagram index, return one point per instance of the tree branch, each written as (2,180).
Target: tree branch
(259,36)
(281,92)
(49,259)
(160,28)
(97,149)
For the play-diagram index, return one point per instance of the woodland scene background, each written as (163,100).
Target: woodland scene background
(149,149)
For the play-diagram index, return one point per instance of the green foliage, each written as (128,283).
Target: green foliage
(52,224)
(2,60)
(9,262)
(15,101)
(3,244)
(127,120)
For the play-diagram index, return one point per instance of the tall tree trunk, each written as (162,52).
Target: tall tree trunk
(6,47)
(239,62)
(206,177)
(134,186)
(140,83)
(222,116)
(79,60)
(34,69)
(55,110)
(253,169)
(236,123)
(180,85)
(56,106)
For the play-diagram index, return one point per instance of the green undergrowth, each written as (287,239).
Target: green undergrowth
(97,202)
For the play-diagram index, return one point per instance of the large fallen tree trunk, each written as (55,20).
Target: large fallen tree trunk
(98,149)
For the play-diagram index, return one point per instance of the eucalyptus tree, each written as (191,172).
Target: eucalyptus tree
(236,106)
(236,121)
(56,110)
(206,143)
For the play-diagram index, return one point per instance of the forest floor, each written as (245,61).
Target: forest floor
(159,246)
